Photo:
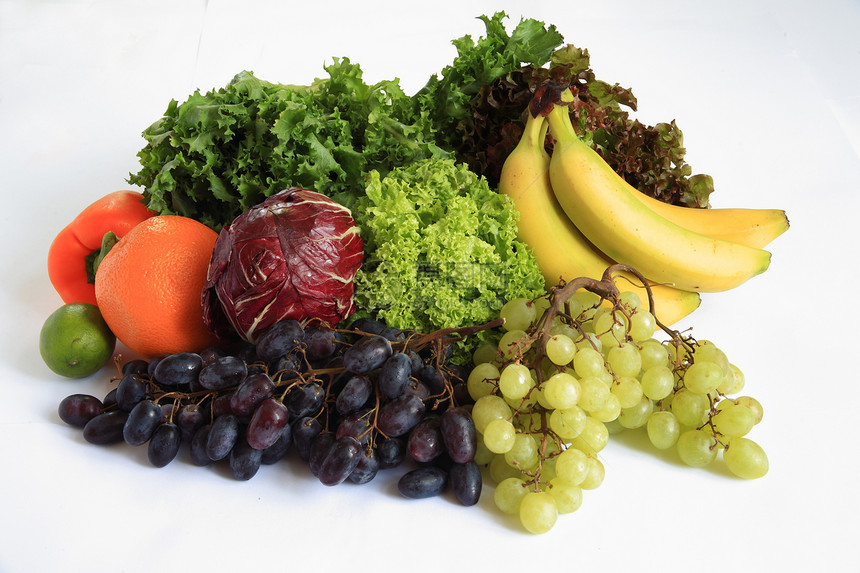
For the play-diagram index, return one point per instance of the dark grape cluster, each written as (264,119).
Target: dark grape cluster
(349,403)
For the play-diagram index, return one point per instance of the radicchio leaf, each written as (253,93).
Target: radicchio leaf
(293,256)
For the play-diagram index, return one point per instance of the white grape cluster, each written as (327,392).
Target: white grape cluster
(564,377)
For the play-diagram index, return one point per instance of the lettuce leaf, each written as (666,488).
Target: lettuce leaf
(218,154)
(442,249)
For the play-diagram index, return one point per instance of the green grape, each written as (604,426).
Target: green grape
(514,344)
(643,324)
(696,448)
(588,303)
(630,300)
(707,351)
(745,458)
(625,360)
(567,496)
(561,391)
(484,353)
(541,305)
(588,362)
(483,455)
(593,393)
(560,349)
(500,436)
(509,494)
(538,512)
(703,377)
(610,410)
(596,474)
(663,429)
(753,405)
(637,415)
(572,466)
(593,438)
(657,382)
(589,340)
(540,399)
(689,407)
(611,328)
(515,381)
(524,452)
(500,470)
(733,382)
(519,313)
(482,380)
(734,420)
(567,423)
(488,408)
(628,390)
(653,353)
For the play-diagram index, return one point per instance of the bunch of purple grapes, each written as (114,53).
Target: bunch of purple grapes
(349,403)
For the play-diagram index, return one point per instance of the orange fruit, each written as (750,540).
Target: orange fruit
(149,286)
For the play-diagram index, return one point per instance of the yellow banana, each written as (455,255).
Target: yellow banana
(603,207)
(750,227)
(560,249)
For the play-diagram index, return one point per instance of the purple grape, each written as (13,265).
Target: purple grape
(305,431)
(368,353)
(223,372)
(319,450)
(268,421)
(459,434)
(305,400)
(164,445)
(178,369)
(129,392)
(340,461)
(399,416)
(250,393)
(366,468)
(279,340)
(321,342)
(222,437)
(279,449)
(199,457)
(425,440)
(189,418)
(141,423)
(353,395)
(466,482)
(106,428)
(78,409)
(137,366)
(394,375)
(244,460)
(423,482)
(390,452)
(357,425)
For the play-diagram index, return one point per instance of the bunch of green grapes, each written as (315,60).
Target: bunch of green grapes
(576,366)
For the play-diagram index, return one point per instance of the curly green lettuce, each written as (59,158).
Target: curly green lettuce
(218,154)
(442,249)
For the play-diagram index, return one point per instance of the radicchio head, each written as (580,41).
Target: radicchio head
(294,255)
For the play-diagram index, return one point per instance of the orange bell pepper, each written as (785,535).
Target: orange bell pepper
(71,255)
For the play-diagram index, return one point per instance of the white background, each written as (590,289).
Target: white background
(767,96)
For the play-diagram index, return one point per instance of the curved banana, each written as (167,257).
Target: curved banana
(750,227)
(560,249)
(602,206)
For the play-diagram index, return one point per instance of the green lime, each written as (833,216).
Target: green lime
(75,340)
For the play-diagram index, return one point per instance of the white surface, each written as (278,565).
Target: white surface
(766,94)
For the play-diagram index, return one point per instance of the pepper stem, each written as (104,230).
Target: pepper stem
(94,259)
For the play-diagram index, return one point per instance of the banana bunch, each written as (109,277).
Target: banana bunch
(579,217)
